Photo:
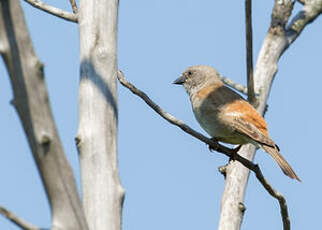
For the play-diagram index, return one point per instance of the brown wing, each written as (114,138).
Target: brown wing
(236,112)
(247,121)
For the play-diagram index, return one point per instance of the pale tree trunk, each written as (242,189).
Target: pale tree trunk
(97,134)
(32,104)
(278,39)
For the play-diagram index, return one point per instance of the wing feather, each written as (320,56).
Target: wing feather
(247,121)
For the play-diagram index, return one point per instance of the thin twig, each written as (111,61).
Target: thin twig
(249,50)
(278,196)
(216,146)
(17,220)
(53,10)
(74,6)
(239,87)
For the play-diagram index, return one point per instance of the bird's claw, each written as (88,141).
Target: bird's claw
(213,148)
(234,153)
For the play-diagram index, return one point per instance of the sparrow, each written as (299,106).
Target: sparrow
(225,115)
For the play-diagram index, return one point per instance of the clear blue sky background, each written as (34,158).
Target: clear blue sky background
(171,179)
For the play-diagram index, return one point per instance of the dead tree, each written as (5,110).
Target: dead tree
(97,135)
(96,139)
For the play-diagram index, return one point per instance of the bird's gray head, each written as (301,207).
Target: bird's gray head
(198,76)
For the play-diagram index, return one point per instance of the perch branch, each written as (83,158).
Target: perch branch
(216,146)
(17,220)
(53,10)
(249,51)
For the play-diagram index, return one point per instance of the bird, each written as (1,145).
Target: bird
(225,115)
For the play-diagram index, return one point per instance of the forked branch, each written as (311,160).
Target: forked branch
(310,11)
(214,145)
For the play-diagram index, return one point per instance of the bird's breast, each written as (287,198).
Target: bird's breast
(208,116)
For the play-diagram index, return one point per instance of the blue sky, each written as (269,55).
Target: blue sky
(171,179)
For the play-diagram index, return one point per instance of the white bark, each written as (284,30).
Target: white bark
(276,42)
(32,104)
(97,134)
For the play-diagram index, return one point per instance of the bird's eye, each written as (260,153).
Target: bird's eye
(189,73)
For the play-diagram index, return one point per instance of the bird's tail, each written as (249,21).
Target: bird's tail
(286,168)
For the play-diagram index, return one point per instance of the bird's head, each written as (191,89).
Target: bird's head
(196,77)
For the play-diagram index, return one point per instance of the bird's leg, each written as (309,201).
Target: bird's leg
(211,148)
(234,153)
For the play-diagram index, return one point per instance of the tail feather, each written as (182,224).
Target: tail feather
(286,168)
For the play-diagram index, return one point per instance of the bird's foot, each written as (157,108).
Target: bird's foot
(213,148)
(234,153)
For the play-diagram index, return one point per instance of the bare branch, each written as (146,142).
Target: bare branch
(311,10)
(173,120)
(278,196)
(74,6)
(216,146)
(249,50)
(17,220)
(277,40)
(53,10)
(31,102)
(239,87)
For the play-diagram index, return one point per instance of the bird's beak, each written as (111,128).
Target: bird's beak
(179,81)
